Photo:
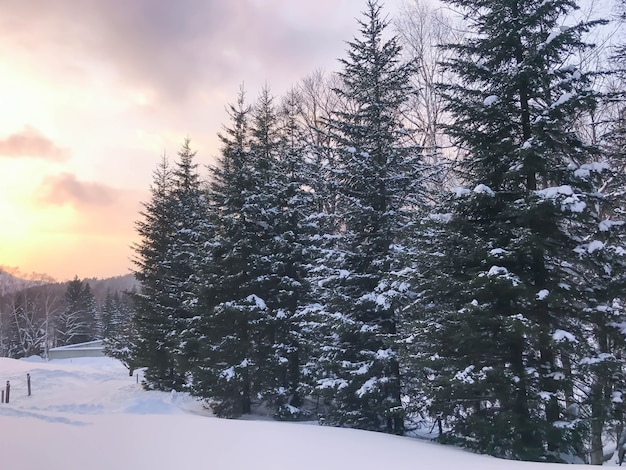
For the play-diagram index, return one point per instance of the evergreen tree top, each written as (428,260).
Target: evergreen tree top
(236,136)
(518,93)
(161,177)
(530,33)
(372,67)
(186,173)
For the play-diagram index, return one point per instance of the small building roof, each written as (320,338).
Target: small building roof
(97,344)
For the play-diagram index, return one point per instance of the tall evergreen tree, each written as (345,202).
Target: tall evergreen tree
(276,134)
(156,335)
(189,232)
(230,309)
(517,261)
(120,341)
(167,265)
(115,311)
(358,369)
(107,313)
(605,374)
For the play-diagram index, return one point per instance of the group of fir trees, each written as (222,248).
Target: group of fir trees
(78,322)
(167,268)
(118,328)
(254,276)
(83,319)
(40,317)
(261,286)
(318,271)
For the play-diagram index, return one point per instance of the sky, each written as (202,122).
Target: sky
(92,92)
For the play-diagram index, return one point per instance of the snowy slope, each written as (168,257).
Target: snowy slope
(88,414)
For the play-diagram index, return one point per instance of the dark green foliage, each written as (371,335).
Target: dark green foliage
(155,304)
(377,176)
(222,374)
(503,329)
(120,329)
(281,264)
(189,232)
(116,310)
(252,272)
(120,346)
(172,231)
(172,235)
(306,280)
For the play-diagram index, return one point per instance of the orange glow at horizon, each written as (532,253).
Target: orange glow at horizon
(73,255)
(63,238)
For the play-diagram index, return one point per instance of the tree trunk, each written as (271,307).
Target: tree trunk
(527,439)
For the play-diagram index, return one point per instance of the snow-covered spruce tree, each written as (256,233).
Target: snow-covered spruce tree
(107,311)
(155,304)
(603,374)
(503,326)
(258,296)
(120,330)
(115,311)
(358,369)
(318,100)
(287,256)
(77,321)
(121,342)
(190,230)
(222,375)
(168,255)
(253,270)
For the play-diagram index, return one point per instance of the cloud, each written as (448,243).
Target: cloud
(98,210)
(31,143)
(66,188)
(173,49)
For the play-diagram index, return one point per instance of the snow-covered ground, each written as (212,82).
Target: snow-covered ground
(88,414)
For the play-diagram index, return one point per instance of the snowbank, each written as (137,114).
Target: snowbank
(88,414)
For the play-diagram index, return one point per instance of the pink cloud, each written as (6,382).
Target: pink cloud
(65,188)
(30,143)
(101,210)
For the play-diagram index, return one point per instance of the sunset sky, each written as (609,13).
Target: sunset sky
(92,92)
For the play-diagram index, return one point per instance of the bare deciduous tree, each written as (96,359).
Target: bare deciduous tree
(423,31)
(27,329)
